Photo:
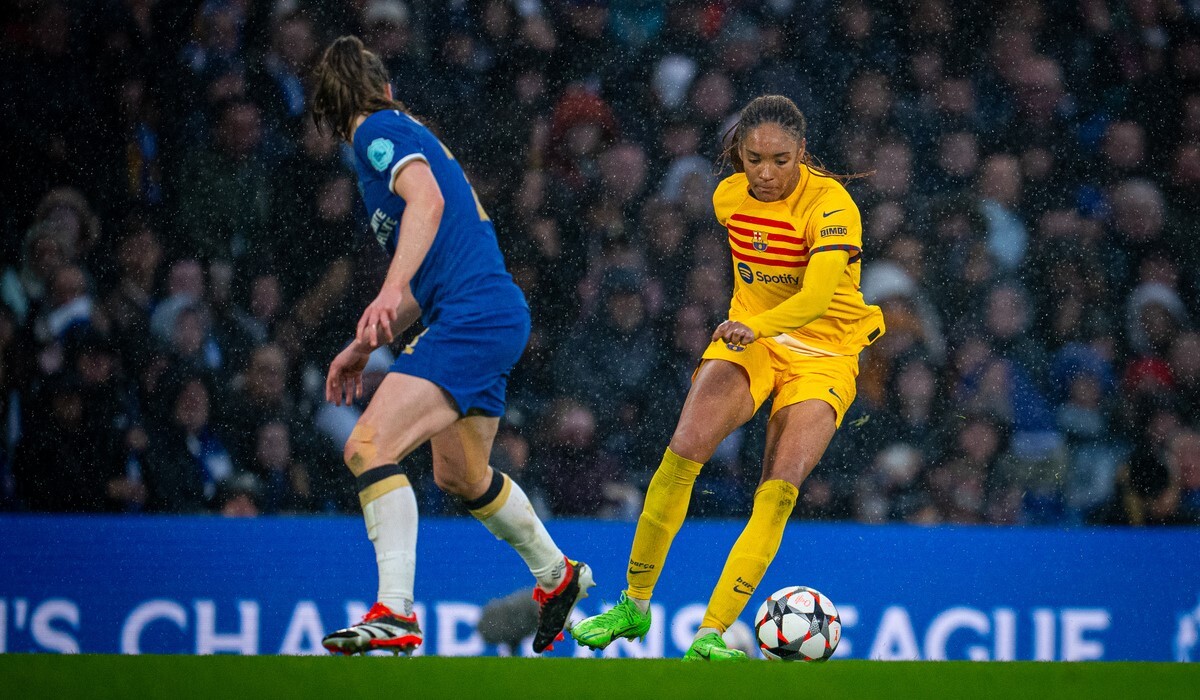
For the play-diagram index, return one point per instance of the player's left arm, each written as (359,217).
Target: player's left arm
(825,270)
(415,183)
(834,239)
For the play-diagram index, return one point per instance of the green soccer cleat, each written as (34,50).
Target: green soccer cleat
(711,647)
(624,620)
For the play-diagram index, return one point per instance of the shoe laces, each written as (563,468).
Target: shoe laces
(542,596)
(379,610)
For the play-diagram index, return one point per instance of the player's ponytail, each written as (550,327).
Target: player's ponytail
(778,110)
(349,80)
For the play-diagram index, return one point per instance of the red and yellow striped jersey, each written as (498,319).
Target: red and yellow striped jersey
(771,244)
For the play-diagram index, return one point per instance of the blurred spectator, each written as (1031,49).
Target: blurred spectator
(892,491)
(964,488)
(281,82)
(67,460)
(579,478)
(129,301)
(286,486)
(26,284)
(1184,361)
(999,191)
(610,358)
(186,461)
(1154,317)
(69,306)
(223,211)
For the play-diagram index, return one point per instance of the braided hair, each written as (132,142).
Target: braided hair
(349,80)
(782,112)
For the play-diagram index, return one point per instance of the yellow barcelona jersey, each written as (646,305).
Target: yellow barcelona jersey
(772,243)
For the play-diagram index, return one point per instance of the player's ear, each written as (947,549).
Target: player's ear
(388,88)
(800,153)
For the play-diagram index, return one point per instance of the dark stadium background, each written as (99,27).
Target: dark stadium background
(177,239)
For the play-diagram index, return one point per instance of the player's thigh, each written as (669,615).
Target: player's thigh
(718,402)
(404,412)
(797,436)
(461,453)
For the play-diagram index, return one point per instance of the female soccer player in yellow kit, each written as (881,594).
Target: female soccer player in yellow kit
(797,322)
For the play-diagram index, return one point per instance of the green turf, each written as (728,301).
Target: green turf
(335,678)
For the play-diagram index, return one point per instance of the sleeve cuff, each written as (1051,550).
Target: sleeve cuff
(854,251)
(399,166)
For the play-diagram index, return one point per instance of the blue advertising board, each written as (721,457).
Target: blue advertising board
(276,585)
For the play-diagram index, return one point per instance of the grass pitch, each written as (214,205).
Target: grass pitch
(333,678)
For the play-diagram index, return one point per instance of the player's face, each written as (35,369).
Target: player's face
(771,158)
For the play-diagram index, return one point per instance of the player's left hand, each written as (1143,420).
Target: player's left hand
(344,382)
(380,315)
(734,333)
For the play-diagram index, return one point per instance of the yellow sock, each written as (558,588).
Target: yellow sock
(751,554)
(666,506)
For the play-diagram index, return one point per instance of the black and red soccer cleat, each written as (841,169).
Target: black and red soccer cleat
(554,607)
(380,628)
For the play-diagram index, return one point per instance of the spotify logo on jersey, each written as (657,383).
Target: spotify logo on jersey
(744,272)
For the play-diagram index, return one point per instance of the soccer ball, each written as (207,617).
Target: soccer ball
(798,624)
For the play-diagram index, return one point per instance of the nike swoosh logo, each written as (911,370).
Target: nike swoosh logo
(835,395)
(738,589)
(635,572)
(825,214)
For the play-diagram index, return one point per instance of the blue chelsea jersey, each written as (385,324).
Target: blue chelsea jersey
(463,270)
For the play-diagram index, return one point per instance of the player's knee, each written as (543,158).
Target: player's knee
(361,451)
(693,444)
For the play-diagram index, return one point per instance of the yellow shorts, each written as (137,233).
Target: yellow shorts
(792,377)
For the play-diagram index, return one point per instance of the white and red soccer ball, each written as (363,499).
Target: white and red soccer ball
(798,624)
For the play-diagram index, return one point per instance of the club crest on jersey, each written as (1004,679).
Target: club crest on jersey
(380,153)
(760,241)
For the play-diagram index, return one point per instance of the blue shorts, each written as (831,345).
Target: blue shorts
(469,356)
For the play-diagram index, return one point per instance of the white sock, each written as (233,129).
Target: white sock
(703,631)
(517,524)
(642,605)
(392,526)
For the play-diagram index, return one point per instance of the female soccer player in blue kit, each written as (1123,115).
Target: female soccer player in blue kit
(448,385)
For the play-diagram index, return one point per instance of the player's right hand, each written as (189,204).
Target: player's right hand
(344,383)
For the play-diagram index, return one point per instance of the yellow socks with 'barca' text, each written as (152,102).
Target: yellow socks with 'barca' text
(666,506)
(751,554)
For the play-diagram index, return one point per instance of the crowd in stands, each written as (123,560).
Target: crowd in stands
(183,252)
